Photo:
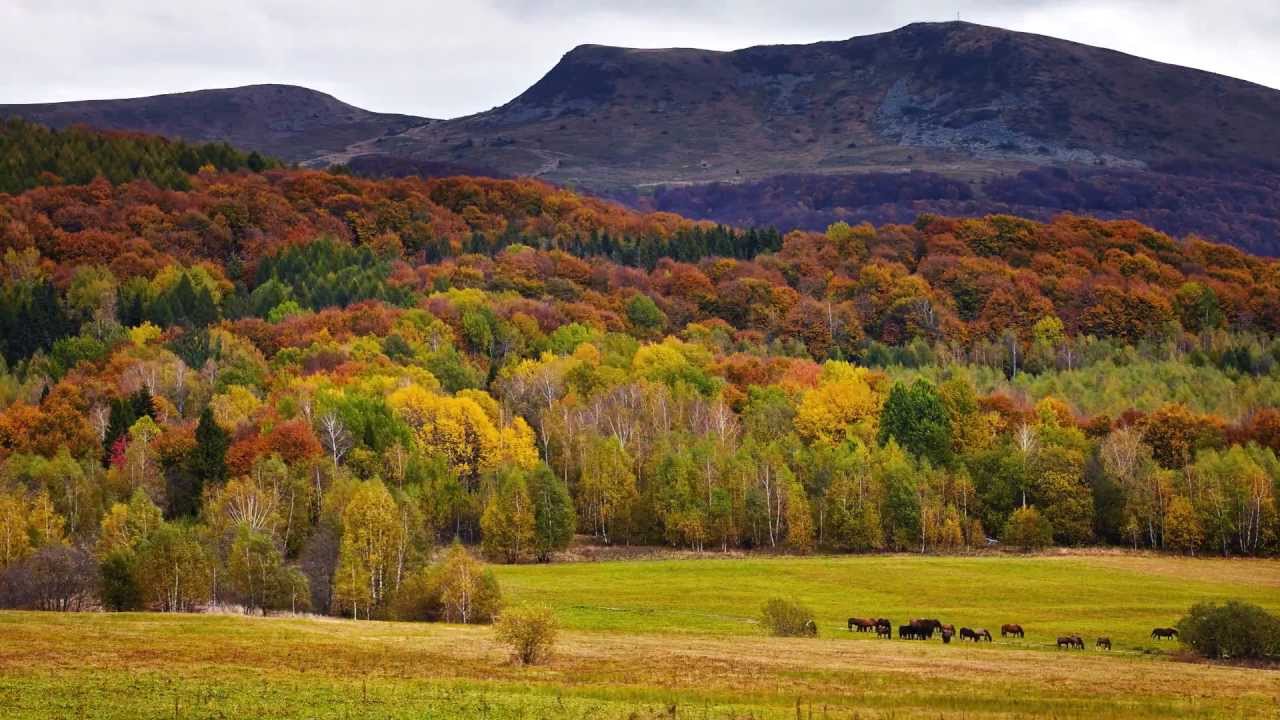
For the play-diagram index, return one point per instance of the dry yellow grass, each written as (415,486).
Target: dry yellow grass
(316,666)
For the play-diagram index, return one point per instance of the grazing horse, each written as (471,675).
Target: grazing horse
(1103,643)
(1011,629)
(932,624)
(884,629)
(948,628)
(862,624)
(968,634)
(947,633)
(981,634)
(915,631)
(1164,634)
(1070,642)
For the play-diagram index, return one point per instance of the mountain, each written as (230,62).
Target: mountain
(951,97)
(289,122)
(932,117)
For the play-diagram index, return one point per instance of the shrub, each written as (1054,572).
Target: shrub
(1235,630)
(1027,529)
(530,632)
(785,618)
(55,577)
(457,589)
(120,591)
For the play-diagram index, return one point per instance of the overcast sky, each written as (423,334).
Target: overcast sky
(445,59)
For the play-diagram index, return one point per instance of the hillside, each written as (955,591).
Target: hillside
(804,135)
(289,122)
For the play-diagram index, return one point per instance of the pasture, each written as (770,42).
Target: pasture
(678,638)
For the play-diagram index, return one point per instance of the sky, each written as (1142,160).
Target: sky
(446,59)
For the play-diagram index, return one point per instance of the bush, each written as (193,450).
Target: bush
(55,577)
(120,591)
(458,589)
(1234,630)
(1027,529)
(529,631)
(787,619)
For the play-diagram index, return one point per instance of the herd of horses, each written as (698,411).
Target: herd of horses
(926,628)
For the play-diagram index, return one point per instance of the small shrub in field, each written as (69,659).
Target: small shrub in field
(787,619)
(529,631)
(1027,529)
(1236,630)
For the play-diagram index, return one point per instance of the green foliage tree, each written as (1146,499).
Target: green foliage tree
(917,419)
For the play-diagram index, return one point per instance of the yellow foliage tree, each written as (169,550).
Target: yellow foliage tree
(457,429)
(843,407)
(27,523)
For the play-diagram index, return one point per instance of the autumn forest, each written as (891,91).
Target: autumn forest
(225,379)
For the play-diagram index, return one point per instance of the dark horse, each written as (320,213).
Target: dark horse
(968,634)
(1014,630)
(1164,634)
(947,633)
(1104,643)
(884,628)
(913,631)
(862,624)
(1070,641)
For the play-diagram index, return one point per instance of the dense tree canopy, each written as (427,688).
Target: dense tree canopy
(286,389)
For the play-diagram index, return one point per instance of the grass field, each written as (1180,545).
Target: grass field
(676,638)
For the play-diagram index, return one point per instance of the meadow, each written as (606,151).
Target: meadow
(677,638)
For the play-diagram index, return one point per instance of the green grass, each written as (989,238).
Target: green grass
(675,638)
(1121,596)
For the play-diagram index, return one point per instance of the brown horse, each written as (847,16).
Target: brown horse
(884,629)
(1070,642)
(981,634)
(968,634)
(947,634)
(1014,630)
(1164,634)
(862,624)
(1103,643)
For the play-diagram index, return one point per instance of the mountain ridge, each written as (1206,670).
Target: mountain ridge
(971,105)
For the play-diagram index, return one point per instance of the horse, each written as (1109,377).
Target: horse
(884,629)
(932,624)
(1079,642)
(947,633)
(1103,643)
(968,634)
(948,628)
(862,624)
(981,634)
(1011,629)
(1164,634)
(1070,641)
(907,632)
